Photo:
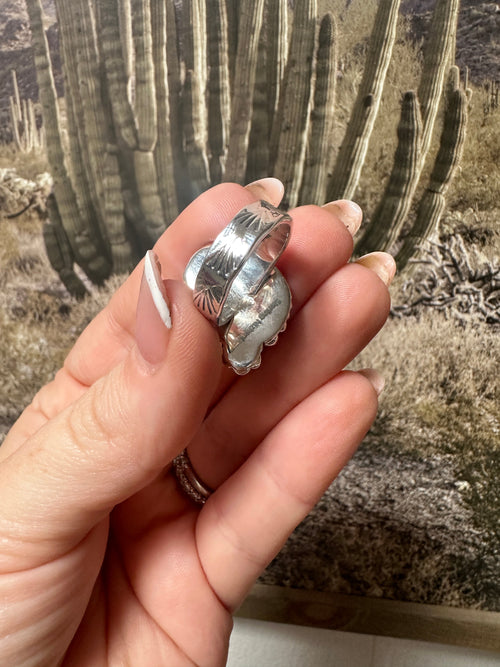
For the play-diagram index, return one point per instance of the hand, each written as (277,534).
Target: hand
(103,560)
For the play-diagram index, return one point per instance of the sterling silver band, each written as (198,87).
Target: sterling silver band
(188,480)
(237,286)
(250,245)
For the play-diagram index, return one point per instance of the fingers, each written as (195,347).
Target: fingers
(247,520)
(105,341)
(269,189)
(320,243)
(348,211)
(114,439)
(110,336)
(330,330)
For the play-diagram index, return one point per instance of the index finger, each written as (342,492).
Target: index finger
(107,338)
(320,244)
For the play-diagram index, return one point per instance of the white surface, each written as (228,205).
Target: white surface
(259,644)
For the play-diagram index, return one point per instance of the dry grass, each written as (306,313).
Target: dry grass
(29,165)
(38,320)
(441,391)
(442,399)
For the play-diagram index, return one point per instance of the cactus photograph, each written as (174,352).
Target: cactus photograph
(116,114)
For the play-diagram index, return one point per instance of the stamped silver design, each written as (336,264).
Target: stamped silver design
(237,286)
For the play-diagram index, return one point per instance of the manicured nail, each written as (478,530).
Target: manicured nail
(269,189)
(153,320)
(381,263)
(375,378)
(347,212)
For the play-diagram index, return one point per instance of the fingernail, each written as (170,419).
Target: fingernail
(347,212)
(377,380)
(270,189)
(381,263)
(153,320)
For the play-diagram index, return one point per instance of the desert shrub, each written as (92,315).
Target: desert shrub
(461,282)
(28,165)
(442,397)
(19,194)
(442,392)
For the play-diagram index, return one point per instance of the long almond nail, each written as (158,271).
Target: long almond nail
(269,189)
(377,380)
(381,263)
(347,212)
(153,320)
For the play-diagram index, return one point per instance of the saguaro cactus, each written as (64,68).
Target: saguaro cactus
(386,224)
(433,202)
(81,233)
(188,94)
(219,93)
(352,152)
(251,13)
(27,135)
(291,123)
(399,189)
(319,158)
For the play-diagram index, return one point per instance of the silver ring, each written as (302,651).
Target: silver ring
(247,249)
(188,480)
(236,284)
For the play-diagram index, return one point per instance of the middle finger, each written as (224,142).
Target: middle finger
(325,335)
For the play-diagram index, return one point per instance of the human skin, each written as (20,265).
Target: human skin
(103,560)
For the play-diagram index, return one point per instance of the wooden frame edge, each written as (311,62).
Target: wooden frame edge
(408,620)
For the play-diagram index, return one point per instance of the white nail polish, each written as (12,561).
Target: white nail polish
(156,287)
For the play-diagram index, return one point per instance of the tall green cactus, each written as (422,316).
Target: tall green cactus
(291,123)
(433,202)
(59,251)
(219,93)
(189,94)
(81,234)
(116,74)
(276,45)
(354,146)
(28,136)
(319,157)
(163,153)
(193,29)
(251,13)
(386,224)
(399,186)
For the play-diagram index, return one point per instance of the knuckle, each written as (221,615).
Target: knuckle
(93,422)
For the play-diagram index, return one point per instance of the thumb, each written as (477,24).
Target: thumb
(119,435)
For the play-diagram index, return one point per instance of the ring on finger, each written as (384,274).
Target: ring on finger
(188,480)
(237,286)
